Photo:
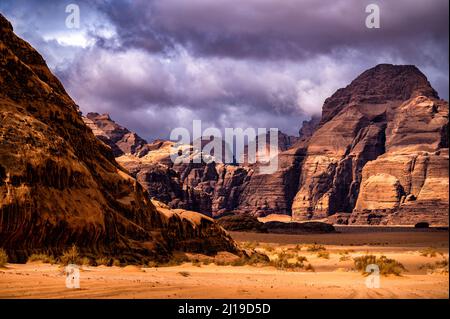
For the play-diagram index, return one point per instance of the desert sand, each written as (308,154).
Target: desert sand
(331,278)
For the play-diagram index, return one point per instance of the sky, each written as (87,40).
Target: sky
(157,65)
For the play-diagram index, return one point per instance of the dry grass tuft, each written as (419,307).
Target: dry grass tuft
(386,265)
(315,248)
(71,256)
(46,259)
(3,257)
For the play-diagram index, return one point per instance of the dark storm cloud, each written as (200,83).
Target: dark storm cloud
(272,29)
(156,65)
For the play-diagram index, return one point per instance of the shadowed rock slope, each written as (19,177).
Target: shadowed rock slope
(60,186)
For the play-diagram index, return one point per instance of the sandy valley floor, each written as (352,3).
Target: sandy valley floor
(332,278)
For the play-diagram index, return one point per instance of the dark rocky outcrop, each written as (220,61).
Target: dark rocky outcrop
(242,222)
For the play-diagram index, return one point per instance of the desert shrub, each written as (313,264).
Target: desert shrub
(47,259)
(250,244)
(153,264)
(196,263)
(239,262)
(309,267)
(344,258)
(315,248)
(116,262)
(254,260)
(297,248)
(257,259)
(386,265)
(206,262)
(323,254)
(175,260)
(184,273)
(3,257)
(442,263)
(301,259)
(428,252)
(438,266)
(221,263)
(102,261)
(269,248)
(282,262)
(85,261)
(70,256)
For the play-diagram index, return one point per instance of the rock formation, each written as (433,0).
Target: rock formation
(119,138)
(378,152)
(381,147)
(59,185)
(213,188)
(309,127)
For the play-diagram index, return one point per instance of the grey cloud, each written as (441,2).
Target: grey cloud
(254,63)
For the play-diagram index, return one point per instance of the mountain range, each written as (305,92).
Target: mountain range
(378,154)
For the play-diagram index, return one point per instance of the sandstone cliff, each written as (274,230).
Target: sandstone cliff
(381,140)
(60,186)
(212,188)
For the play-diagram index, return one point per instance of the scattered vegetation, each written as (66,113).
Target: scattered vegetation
(47,259)
(102,261)
(152,264)
(254,260)
(116,262)
(3,257)
(269,248)
(386,265)
(207,262)
(250,244)
(297,248)
(440,266)
(176,260)
(85,261)
(70,256)
(315,248)
(301,259)
(309,267)
(323,254)
(429,252)
(184,273)
(283,262)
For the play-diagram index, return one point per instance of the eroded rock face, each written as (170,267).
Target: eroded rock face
(59,185)
(411,178)
(360,157)
(309,127)
(213,188)
(119,138)
(194,232)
